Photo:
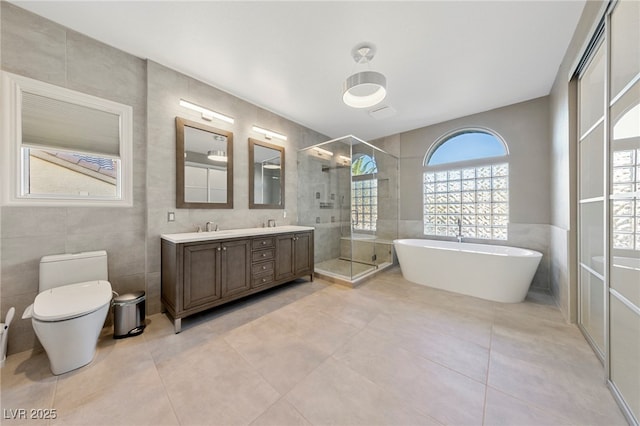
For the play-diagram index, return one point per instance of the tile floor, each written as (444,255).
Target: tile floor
(386,353)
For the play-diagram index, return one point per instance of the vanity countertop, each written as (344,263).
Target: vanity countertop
(188,237)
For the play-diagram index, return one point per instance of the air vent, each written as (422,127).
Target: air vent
(382,112)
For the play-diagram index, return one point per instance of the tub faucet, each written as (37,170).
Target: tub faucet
(459,236)
(210,227)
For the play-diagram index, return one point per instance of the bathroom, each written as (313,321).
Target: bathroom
(542,207)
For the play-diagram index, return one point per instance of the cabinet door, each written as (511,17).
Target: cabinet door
(285,266)
(235,267)
(303,253)
(201,274)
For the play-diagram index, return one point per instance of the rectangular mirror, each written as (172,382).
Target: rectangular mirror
(204,166)
(266,175)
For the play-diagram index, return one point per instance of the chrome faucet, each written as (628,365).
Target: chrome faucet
(459,236)
(271,223)
(210,227)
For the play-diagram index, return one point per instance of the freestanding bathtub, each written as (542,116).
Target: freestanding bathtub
(498,273)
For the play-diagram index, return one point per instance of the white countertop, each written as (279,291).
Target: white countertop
(188,237)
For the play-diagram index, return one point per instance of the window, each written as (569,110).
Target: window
(67,148)
(466,184)
(364,193)
(625,180)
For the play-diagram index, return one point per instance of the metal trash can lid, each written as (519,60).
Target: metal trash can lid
(128,298)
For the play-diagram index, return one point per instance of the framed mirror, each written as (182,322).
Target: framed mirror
(204,166)
(266,175)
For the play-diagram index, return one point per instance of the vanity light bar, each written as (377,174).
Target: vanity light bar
(269,134)
(207,114)
(323,151)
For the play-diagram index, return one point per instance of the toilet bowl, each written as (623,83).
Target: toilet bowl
(69,312)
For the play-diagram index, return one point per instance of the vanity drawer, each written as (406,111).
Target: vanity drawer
(261,243)
(264,267)
(261,255)
(262,279)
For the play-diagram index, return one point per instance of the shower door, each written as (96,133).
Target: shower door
(609,202)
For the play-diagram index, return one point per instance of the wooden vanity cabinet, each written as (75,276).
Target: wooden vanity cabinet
(295,255)
(200,275)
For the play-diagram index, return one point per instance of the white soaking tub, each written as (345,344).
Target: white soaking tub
(498,273)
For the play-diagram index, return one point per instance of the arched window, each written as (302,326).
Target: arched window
(364,193)
(466,186)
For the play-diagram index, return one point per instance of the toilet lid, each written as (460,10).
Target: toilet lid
(71,301)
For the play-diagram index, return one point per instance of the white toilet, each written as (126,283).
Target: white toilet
(71,307)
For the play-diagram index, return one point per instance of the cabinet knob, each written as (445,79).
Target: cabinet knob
(224,249)
(264,243)
(264,254)
(264,280)
(264,267)
(218,248)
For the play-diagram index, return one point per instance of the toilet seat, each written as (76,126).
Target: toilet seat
(71,301)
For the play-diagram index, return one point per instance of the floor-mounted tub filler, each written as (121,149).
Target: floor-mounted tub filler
(498,273)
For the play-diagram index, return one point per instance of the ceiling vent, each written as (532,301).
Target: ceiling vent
(382,112)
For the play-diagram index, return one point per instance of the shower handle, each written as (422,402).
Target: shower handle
(356,213)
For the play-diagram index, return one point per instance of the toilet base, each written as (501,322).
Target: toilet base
(71,344)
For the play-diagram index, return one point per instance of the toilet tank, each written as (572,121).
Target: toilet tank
(62,269)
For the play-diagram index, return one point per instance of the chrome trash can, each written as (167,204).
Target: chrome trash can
(128,315)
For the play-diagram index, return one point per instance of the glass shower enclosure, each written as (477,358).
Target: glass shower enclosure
(348,191)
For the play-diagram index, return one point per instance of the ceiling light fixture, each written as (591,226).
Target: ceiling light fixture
(217,155)
(207,114)
(269,134)
(364,89)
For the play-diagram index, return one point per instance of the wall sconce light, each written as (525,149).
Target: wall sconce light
(323,152)
(269,134)
(207,114)
(345,160)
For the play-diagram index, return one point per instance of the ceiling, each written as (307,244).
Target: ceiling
(442,59)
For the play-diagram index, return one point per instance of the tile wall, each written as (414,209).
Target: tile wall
(37,48)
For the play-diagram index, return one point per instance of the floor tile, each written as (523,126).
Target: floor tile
(414,335)
(429,388)
(584,399)
(282,413)
(213,383)
(27,383)
(389,352)
(504,410)
(336,395)
(273,349)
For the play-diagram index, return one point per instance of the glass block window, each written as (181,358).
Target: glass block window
(364,201)
(364,193)
(626,212)
(474,193)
